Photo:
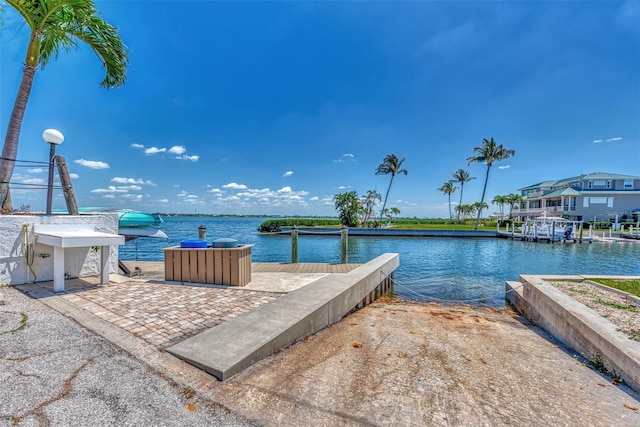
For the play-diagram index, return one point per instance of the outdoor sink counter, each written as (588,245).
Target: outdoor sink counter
(220,266)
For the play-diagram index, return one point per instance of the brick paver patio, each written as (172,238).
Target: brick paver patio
(164,314)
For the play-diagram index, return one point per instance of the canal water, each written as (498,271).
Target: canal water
(449,270)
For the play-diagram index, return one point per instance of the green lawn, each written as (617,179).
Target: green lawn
(631,286)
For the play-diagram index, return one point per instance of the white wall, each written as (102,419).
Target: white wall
(78,262)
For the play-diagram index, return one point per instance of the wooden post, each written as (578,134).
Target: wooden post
(202,232)
(553,231)
(344,237)
(581,226)
(294,245)
(67,188)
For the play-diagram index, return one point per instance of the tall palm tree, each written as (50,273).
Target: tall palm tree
(489,153)
(368,202)
(462,177)
(500,201)
(393,166)
(513,200)
(448,188)
(479,206)
(58,25)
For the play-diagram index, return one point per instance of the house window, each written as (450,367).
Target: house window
(628,183)
(590,184)
(608,183)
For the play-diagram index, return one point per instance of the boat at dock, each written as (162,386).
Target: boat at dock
(131,223)
(548,227)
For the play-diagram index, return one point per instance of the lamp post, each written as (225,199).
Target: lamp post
(52,137)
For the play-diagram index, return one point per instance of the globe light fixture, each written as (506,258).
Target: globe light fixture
(53,137)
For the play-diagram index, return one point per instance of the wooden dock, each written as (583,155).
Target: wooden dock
(545,238)
(301,267)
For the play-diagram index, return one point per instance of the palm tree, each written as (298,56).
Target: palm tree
(448,188)
(465,210)
(58,25)
(390,165)
(368,202)
(514,200)
(462,177)
(489,153)
(349,207)
(390,212)
(500,201)
(479,206)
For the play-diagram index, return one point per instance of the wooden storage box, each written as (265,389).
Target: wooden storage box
(220,266)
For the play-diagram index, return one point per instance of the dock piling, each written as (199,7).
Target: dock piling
(294,245)
(344,237)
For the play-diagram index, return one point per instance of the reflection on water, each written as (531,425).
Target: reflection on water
(457,270)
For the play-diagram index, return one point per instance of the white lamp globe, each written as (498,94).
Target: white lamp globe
(53,136)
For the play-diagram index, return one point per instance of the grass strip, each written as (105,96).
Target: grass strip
(631,286)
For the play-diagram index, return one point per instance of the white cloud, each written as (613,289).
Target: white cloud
(154,150)
(234,186)
(74,176)
(342,187)
(504,167)
(314,199)
(347,157)
(178,149)
(287,173)
(122,180)
(285,190)
(110,189)
(33,181)
(162,201)
(137,146)
(598,141)
(35,170)
(92,164)
(215,190)
(193,158)
(119,189)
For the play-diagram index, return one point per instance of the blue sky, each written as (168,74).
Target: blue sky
(274,107)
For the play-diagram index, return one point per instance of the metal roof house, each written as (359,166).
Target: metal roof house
(601,196)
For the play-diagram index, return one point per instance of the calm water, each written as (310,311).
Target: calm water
(469,271)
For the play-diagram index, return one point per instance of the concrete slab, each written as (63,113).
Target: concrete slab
(232,346)
(577,326)
(281,282)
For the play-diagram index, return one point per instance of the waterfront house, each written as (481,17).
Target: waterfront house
(598,196)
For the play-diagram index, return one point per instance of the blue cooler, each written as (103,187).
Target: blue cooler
(193,243)
(225,243)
